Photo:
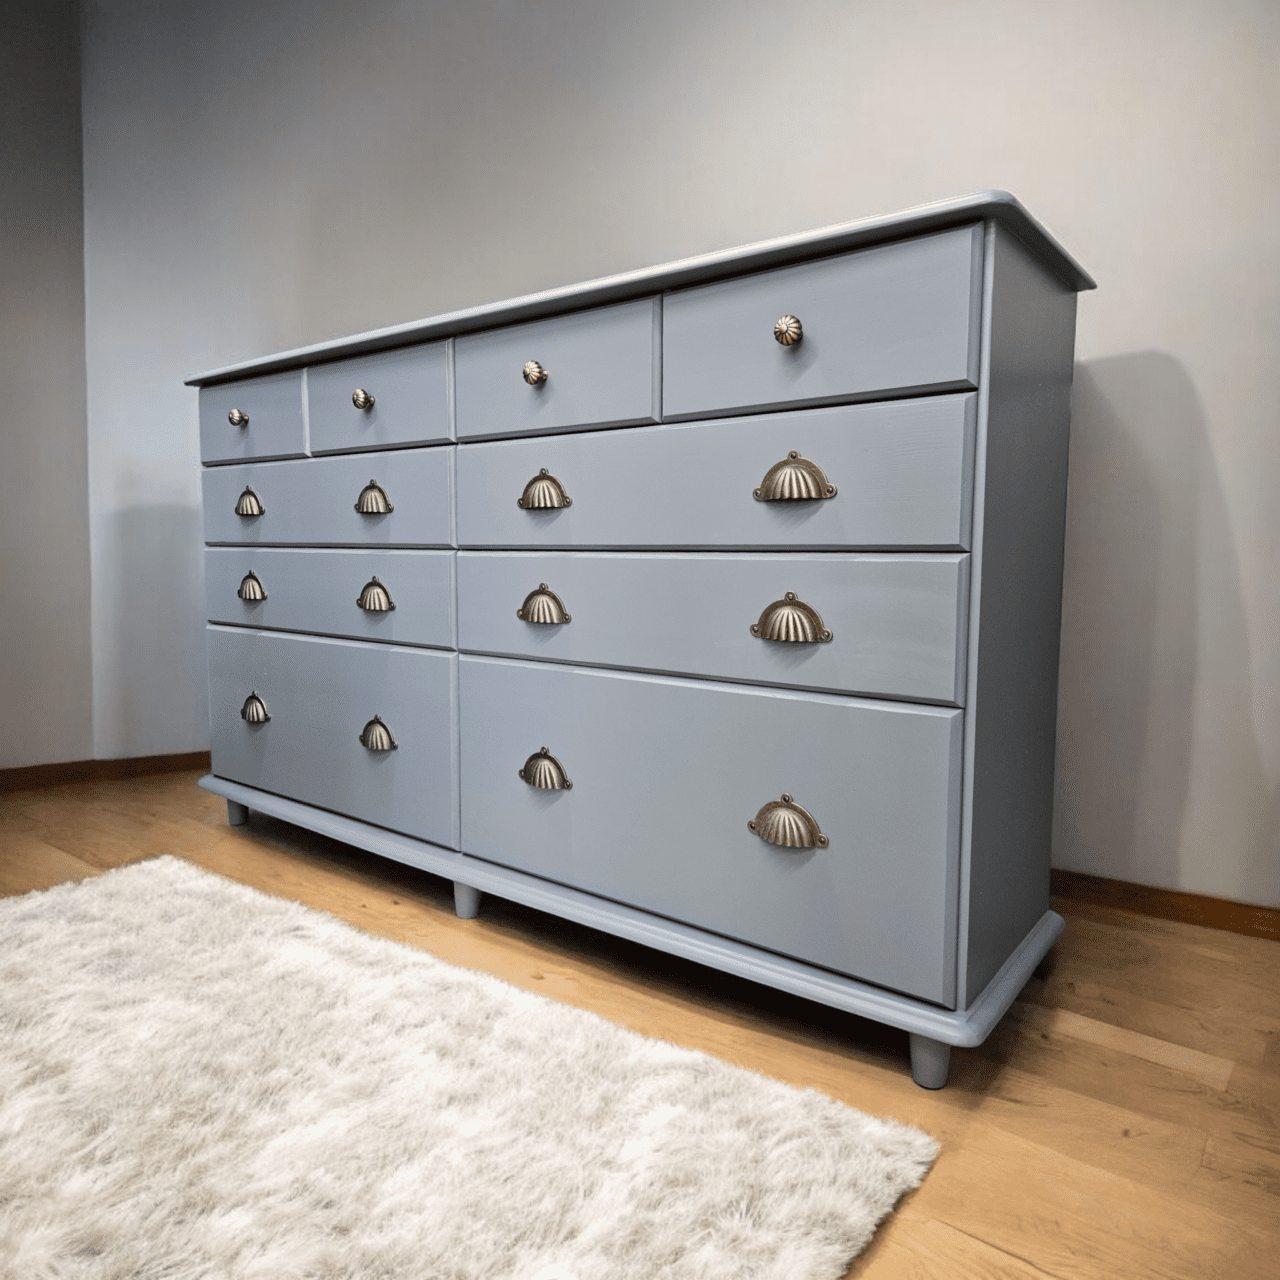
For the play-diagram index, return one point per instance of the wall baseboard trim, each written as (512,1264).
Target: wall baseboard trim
(1168,904)
(56,775)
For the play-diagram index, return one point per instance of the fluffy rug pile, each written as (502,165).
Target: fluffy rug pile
(199,1080)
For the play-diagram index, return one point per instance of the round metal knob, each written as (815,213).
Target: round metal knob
(362,399)
(534,374)
(788,331)
(238,419)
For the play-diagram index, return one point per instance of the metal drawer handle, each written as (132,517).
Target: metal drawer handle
(534,374)
(791,621)
(374,597)
(542,492)
(377,736)
(362,399)
(544,771)
(238,419)
(254,710)
(788,330)
(251,587)
(794,479)
(249,504)
(543,606)
(785,823)
(373,500)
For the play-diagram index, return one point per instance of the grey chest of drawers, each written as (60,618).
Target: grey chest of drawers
(714,605)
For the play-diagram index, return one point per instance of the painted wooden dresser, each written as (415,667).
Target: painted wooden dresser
(714,605)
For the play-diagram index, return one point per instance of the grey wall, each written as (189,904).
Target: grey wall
(262,175)
(45,665)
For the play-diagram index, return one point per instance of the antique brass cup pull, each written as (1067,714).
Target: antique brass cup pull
(238,419)
(373,500)
(543,606)
(251,588)
(254,710)
(544,771)
(249,504)
(534,374)
(794,479)
(543,492)
(791,621)
(362,399)
(785,823)
(788,330)
(374,597)
(377,736)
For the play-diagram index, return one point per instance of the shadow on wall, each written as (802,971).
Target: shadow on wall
(150,682)
(1159,775)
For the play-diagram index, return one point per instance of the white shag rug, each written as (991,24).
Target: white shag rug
(200,1080)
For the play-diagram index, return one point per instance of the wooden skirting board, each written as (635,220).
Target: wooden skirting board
(56,775)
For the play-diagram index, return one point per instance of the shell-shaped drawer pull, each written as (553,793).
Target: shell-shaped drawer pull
(794,479)
(534,374)
(373,500)
(362,399)
(238,419)
(377,736)
(544,771)
(543,606)
(251,588)
(785,823)
(543,492)
(792,621)
(375,598)
(249,504)
(254,710)
(788,330)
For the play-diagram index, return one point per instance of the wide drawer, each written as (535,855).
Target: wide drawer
(257,418)
(902,473)
(316,501)
(403,399)
(893,320)
(894,624)
(322,697)
(602,369)
(403,597)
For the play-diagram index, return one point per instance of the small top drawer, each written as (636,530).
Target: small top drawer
(590,369)
(257,418)
(892,320)
(380,401)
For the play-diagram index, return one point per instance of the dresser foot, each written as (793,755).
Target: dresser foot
(466,901)
(237,814)
(930,1062)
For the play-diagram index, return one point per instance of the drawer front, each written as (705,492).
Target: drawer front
(272,408)
(902,473)
(896,623)
(320,694)
(601,366)
(319,591)
(666,775)
(410,391)
(892,320)
(315,501)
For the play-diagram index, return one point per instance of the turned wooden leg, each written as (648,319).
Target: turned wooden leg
(466,901)
(930,1061)
(237,814)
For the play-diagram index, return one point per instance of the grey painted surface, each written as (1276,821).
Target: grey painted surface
(902,472)
(897,622)
(314,590)
(666,774)
(1017,598)
(320,695)
(600,372)
(895,319)
(276,427)
(410,388)
(313,501)
(46,708)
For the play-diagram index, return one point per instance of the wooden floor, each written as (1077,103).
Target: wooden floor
(1124,1120)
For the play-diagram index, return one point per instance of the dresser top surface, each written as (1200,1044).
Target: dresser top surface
(1000,206)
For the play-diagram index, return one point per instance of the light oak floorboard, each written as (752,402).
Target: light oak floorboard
(1124,1121)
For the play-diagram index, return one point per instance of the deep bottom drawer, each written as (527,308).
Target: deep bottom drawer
(320,696)
(666,774)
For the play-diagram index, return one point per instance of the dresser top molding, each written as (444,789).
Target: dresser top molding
(938,216)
